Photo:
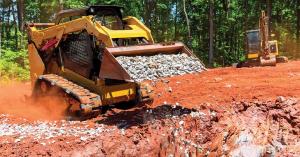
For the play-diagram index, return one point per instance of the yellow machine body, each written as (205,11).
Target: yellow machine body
(117,36)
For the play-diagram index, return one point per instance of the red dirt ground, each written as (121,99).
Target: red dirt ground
(227,111)
(223,85)
(215,86)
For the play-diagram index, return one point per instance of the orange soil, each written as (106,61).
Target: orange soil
(215,86)
(222,85)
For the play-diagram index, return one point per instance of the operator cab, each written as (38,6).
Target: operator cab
(253,42)
(108,16)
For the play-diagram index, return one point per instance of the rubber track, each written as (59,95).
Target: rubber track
(81,94)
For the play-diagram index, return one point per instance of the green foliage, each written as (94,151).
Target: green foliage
(73,4)
(14,65)
(167,21)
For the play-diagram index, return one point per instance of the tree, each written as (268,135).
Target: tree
(211,34)
(61,5)
(8,23)
(214,30)
(0,37)
(298,21)
(1,27)
(20,8)
(269,13)
(187,19)
(15,26)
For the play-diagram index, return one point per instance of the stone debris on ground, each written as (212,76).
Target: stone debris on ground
(159,66)
(167,130)
(41,130)
(224,122)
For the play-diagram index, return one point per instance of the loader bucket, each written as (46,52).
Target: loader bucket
(111,69)
(154,49)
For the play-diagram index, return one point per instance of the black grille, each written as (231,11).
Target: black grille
(78,53)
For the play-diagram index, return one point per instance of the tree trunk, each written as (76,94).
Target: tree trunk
(187,19)
(175,21)
(269,13)
(8,25)
(0,38)
(164,24)
(61,5)
(15,25)
(20,7)
(226,4)
(245,25)
(211,34)
(3,28)
(149,9)
(147,13)
(298,21)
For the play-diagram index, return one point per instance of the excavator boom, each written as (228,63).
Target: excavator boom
(266,58)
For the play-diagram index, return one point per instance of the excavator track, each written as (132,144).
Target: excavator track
(77,97)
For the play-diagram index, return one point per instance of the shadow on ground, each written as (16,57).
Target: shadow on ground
(139,116)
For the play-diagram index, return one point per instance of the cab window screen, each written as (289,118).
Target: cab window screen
(253,41)
(110,19)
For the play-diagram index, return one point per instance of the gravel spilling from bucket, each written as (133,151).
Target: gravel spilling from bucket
(158,66)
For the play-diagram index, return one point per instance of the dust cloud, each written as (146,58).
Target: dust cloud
(13,101)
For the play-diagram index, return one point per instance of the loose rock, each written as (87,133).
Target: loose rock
(159,66)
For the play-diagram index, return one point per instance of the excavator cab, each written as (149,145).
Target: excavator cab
(254,45)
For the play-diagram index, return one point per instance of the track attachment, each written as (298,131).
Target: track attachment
(79,99)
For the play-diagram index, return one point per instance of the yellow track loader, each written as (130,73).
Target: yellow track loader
(260,50)
(74,58)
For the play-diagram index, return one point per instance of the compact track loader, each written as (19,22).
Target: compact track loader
(74,58)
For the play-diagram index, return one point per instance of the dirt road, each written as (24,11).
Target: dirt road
(225,111)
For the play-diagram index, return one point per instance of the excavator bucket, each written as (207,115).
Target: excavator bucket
(268,61)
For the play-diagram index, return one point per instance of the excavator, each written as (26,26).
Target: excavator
(74,58)
(260,51)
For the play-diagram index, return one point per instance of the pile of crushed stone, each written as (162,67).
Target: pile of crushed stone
(142,68)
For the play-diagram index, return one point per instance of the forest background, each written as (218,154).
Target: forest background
(213,29)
